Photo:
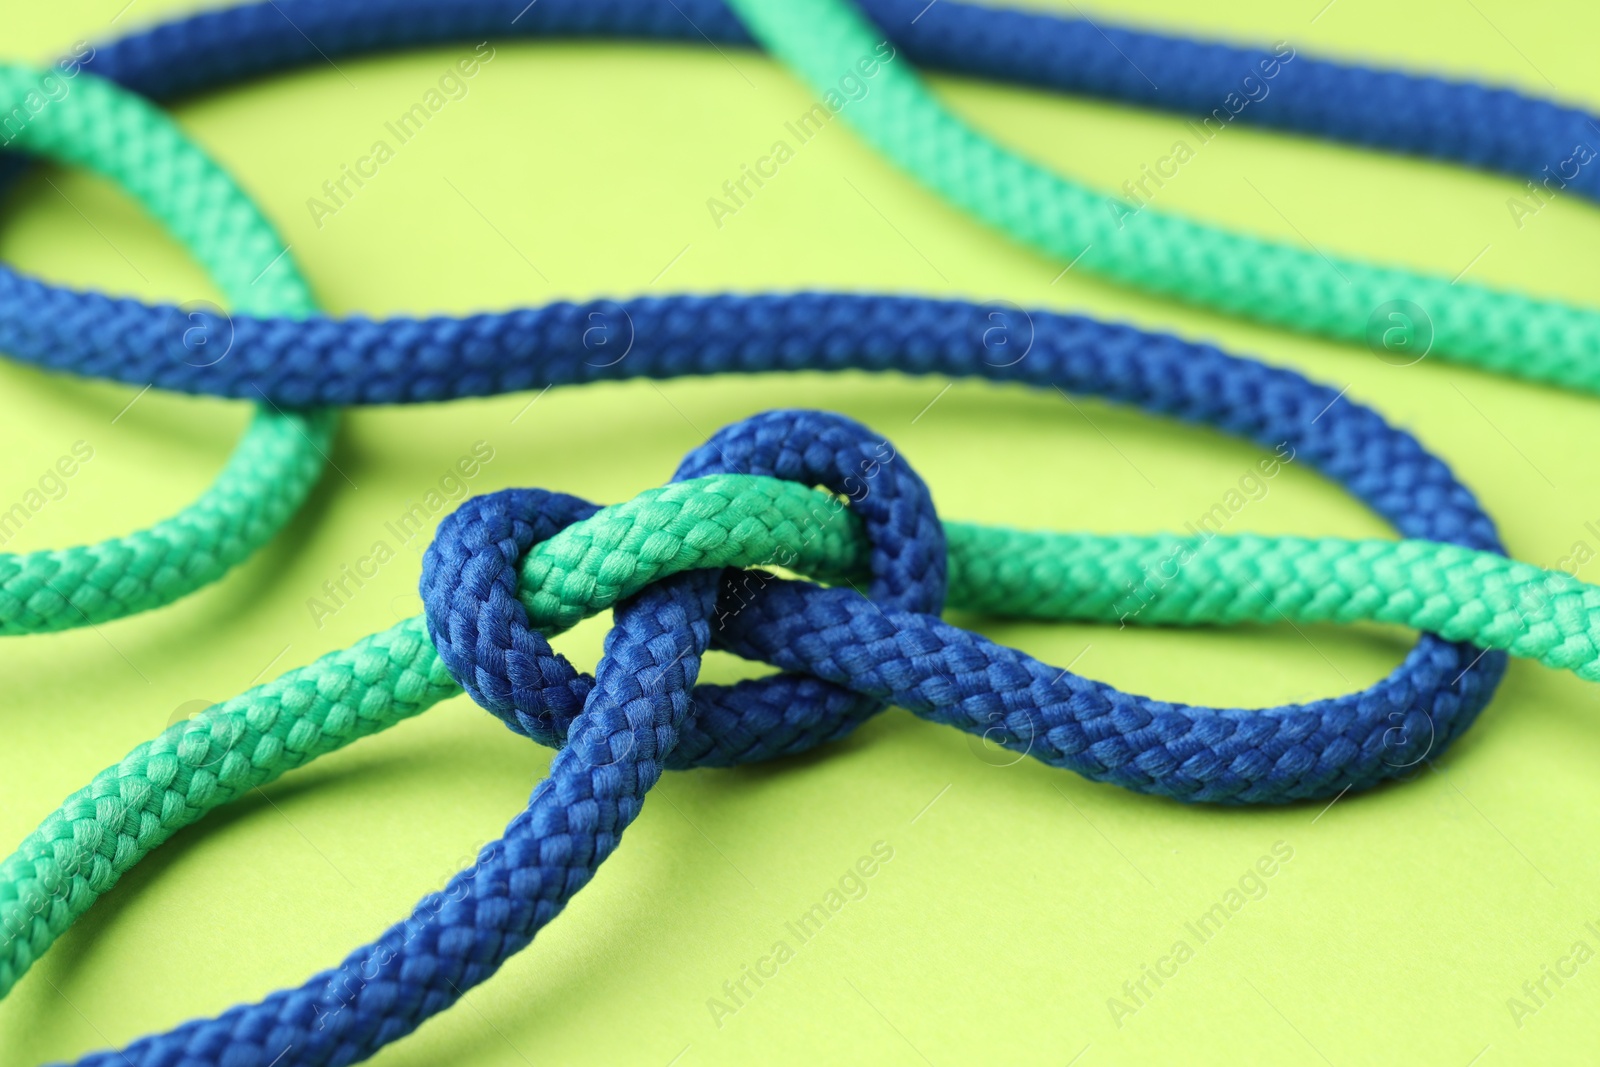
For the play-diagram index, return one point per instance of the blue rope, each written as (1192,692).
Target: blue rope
(1462,122)
(575,817)
(846,657)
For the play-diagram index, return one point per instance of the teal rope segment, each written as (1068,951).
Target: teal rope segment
(1156,251)
(88,123)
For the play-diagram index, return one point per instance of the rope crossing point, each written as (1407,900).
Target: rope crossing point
(510,567)
(113,133)
(846,657)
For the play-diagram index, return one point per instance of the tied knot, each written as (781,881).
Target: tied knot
(509,569)
(478,614)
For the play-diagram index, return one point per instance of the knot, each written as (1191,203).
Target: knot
(510,569)
(494,646)
(794,711)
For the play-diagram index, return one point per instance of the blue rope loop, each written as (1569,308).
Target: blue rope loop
(844,655)
(484,637)
(821,448)
(1229,756)
(480,628)
(907,565)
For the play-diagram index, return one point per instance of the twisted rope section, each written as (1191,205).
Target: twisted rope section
(486,620)
(109,131)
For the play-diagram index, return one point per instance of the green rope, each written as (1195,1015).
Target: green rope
(116,134)
(163,785)
(1543,340)
(101,831)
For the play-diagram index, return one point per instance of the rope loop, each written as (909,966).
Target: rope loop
(481,629)
(489,641)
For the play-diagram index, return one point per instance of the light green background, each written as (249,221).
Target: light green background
(1023,897)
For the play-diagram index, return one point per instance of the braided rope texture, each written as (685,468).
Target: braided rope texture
(1256,401)
(880,653)
(1161,252)
(1381,465)
(280,457)
(1458,121)
(846,654)
(663,714)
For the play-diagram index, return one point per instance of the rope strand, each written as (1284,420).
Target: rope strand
(269,474)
